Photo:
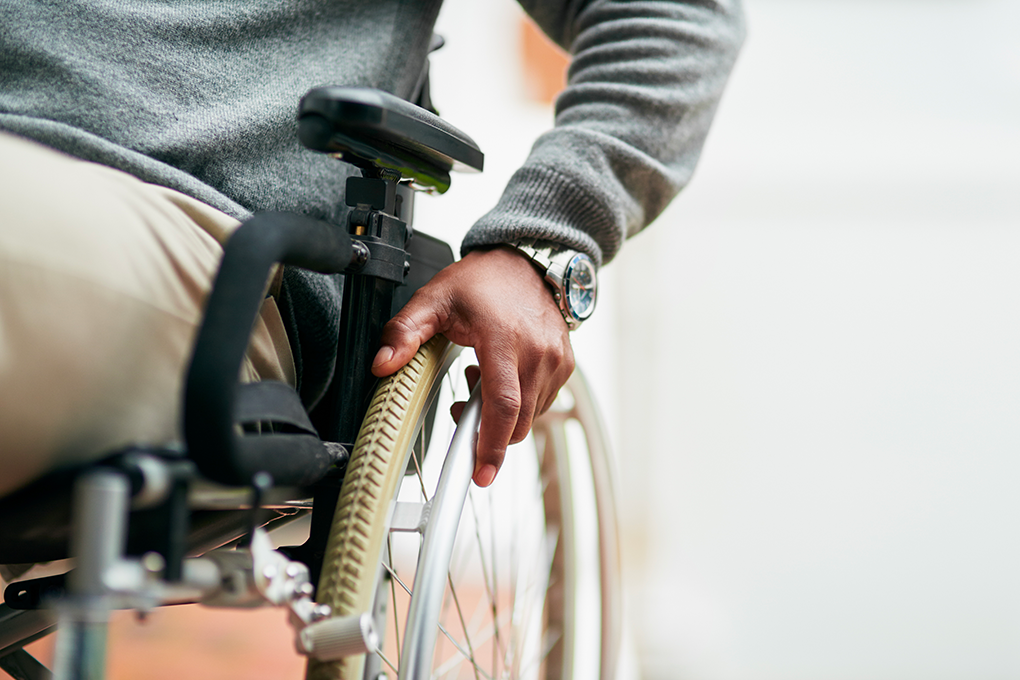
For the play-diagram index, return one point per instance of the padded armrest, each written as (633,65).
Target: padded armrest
(374,129)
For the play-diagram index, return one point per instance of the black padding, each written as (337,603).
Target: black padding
(383,122)
(211,386)
(271,401)
(291,459)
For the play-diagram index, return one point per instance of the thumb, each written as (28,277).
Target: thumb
(414,325)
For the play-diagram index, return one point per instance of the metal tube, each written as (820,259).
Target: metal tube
(437,545)
(101,501)
(98,535)
(18,628)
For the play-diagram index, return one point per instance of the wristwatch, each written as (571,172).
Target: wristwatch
(570,274)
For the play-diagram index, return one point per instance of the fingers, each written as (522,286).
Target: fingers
(473,374)
(505,413)
(531,387)
(527,412)
(515,384)
(501,408)
(420,319)
(564,369)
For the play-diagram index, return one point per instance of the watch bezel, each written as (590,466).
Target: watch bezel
(567,285)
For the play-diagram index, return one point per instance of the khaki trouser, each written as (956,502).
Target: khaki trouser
(103,279)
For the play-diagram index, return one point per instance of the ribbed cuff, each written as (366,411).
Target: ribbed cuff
(545,204)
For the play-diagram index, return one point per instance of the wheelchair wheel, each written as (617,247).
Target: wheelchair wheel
(532,584)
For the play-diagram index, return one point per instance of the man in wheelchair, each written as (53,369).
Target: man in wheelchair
(136,137)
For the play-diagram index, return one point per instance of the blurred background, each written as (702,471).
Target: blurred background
(810,364)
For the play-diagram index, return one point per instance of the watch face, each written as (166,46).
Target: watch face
(581,283)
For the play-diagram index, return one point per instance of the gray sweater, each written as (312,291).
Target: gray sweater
(200,96)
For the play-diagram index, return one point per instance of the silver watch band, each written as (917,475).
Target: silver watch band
(542,254)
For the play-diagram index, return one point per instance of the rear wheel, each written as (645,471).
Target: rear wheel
(531,588)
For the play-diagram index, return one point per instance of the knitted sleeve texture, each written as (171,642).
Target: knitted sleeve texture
(644,82)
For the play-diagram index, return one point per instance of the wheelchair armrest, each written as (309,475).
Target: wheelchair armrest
(212,395)
(374,129)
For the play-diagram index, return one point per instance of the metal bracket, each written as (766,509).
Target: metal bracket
(410,516)
(385,262)
(285,583)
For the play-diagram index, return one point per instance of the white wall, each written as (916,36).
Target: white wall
(816,397)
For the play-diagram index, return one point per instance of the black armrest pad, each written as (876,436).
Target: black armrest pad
(384,123)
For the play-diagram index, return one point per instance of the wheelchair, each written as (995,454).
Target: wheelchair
(408,570)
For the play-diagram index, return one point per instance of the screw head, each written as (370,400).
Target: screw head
(153,562)
(361,253)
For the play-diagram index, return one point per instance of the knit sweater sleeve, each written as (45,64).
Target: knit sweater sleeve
(644,82)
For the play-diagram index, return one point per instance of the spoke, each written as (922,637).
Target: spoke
(535,589)
(447,599)
(397,579)
(393,591)
(481,609)
(460,615)
(456,658)
(483,635)
(485,566)
(533,511)
(549,643)
(388,662)
(514,575)
(488,634)
(498,647)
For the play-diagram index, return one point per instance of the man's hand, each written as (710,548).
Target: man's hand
(496,302)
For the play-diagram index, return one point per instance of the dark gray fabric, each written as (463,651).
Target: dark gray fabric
(310,307)
(201,97)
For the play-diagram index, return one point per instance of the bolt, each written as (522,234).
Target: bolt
(293,570)
(361,253)
(306,589)
(269,572)
(153,562)
(263,480)
(321,611)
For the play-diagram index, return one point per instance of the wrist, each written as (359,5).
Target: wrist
(570,276)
